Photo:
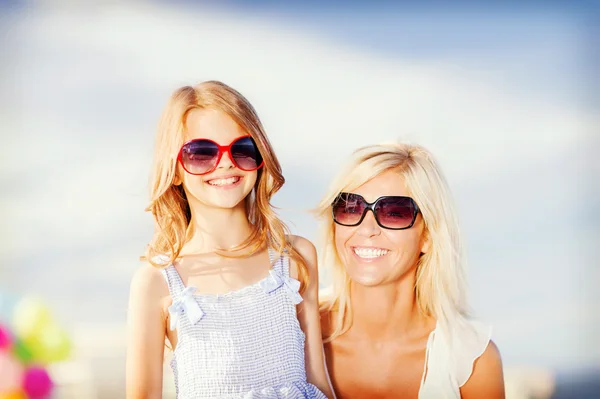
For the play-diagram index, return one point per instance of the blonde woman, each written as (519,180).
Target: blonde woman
(395,319)
(233,294)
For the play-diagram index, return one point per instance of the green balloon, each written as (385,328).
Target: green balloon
(22,351)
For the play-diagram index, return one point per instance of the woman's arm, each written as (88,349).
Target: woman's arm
(487,378)
(146,334)
(309,318)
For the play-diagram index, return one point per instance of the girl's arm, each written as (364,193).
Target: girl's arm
(309,318)
(146,325)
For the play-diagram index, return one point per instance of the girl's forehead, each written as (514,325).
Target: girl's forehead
(212,124)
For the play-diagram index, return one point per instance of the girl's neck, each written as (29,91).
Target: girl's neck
(216,229)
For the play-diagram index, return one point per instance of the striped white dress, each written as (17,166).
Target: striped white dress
(243,344)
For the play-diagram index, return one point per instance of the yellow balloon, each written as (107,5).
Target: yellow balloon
(13,395)
(50,345)
(30,317)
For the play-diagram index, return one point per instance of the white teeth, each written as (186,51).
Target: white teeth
(370,253)
(223,182)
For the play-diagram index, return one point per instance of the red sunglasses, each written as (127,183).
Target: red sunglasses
(201,156)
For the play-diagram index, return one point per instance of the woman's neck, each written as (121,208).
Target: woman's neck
(387,312)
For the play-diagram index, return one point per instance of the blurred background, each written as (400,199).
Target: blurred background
(505,95)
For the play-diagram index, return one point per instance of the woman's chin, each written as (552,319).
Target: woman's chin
(367,278)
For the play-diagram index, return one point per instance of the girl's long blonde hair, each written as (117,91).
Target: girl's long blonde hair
(168,202)
(440,284)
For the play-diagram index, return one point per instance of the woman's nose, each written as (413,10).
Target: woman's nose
(369,227)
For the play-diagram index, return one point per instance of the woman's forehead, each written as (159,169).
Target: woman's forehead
(389,183)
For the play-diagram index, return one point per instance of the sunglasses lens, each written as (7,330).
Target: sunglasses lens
(395,212)
(199,156)
(348,209)
(245,154)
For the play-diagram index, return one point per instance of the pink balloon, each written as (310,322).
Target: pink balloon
(11,373)
(37,383)
(5,337)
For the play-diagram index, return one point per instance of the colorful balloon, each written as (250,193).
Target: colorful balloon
(11,373)
(30,316)
(37,383)
(21,351)
(13,395)
(50,345)
(5,337)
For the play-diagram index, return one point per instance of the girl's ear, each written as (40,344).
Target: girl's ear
(177,181)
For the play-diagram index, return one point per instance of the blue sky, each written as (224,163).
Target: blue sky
(519,41)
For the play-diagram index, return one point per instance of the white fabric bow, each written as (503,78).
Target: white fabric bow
(185,304)
(276,280)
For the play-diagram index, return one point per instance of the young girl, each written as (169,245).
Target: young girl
(234,295)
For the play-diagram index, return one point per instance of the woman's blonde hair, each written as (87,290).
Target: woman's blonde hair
(168,202)
(440,283)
